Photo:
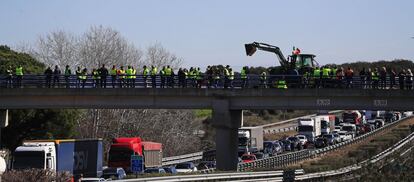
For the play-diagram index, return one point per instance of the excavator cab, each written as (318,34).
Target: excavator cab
(303,62)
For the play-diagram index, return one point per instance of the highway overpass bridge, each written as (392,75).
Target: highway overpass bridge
(227,105)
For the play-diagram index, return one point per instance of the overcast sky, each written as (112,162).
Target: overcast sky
(215,31)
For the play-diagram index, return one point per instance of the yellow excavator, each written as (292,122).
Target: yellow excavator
(301,62)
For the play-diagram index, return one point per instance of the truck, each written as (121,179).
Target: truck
(250,139)
(353,117)
(122,148)
(76,156)
(327,123)
(310,127)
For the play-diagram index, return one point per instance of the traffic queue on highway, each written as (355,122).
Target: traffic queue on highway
(322,131)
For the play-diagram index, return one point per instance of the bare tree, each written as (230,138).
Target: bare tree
(57,48)
(102,45)
(158,56)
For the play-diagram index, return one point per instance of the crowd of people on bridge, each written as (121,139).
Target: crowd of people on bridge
(215,77)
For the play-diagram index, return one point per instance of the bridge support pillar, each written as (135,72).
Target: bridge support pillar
(226,123)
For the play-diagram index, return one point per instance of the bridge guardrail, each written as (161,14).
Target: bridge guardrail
(182,158)
(293,157)
(141,81)
(219,176)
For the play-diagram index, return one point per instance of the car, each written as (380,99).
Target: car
(320,142)
(330,138)
(170,169)
(155,170)
(259,155)
(269,147)
(248,158)
(296,143)
(302,139)
(206,165)
(287,145)
(337,138)
(278,147)
(344,136)
(281,145)
(186,167)
(92,179)
(337,128)
(114,173)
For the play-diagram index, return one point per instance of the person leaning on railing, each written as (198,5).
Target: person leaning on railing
(78,73)
(121,76)
(243,77)
(56,76)
(84,76)
(409,79)
(68,73)
(401,79)
(19,76)
(48,77)
(113,74)
(375,78)
(9,78)
(153,76)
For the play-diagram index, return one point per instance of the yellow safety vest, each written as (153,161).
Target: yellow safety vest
(19,71)
(113,72)
(243,74)
(154,71)
(281,84)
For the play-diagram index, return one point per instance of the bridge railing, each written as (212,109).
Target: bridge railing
(182,158)
(204,81)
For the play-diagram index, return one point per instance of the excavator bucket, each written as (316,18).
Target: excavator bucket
(250,49)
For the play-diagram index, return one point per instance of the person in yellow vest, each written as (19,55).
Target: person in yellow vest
(19,76)
(317,77)
(121,76)
(133,76)
(375,78)
(243,77)
(216,77)
(78,73)
(113,73)
(263,79)
(231,78)
(96,78)
(83,77)
(226,76)
(129,76)
(162,76)
(9,78)
(154,76)
(145,72)
(169,75)
(281,84)
(326,71)
(199,78)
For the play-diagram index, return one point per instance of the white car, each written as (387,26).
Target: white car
(302,139)
(344,136)
(337,128)
(186,167)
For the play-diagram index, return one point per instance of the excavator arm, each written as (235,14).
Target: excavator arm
(251,49)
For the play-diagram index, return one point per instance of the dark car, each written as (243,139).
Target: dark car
(113,173)
(170,169)
(320,143)
(260,155)
(295,143)
(287,145)
(155,170)
(206,165)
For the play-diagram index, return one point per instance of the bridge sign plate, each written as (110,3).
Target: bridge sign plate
(137,164)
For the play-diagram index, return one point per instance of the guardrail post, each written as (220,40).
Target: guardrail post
(226,122)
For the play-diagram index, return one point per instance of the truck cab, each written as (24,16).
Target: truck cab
(310,127)
(303,62)
(39,155)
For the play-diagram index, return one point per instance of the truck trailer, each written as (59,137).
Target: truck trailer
(310,127)
(122,148)
(250,139)
(76,156)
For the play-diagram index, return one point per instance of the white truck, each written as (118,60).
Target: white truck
(327,123)
(250,139)
(310,127)
(78,157)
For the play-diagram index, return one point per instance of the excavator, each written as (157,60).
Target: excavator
(301,62)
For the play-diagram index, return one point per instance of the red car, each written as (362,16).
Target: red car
(248,158)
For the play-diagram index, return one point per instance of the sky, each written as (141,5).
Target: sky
(214,32)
